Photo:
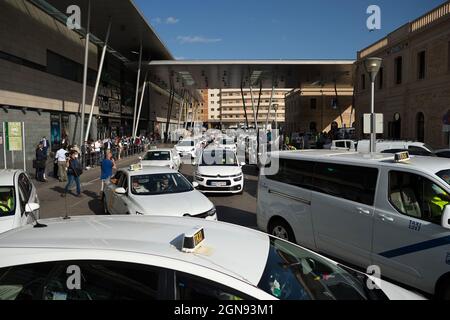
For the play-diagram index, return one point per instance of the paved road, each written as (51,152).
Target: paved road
(238,209)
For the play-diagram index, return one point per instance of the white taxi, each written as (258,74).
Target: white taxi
(227,143)
(187,148)
(162,158)
(19,202)
(219,171)
(155,191)
(167,258)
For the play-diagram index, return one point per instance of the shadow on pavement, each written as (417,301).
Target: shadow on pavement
(236,216)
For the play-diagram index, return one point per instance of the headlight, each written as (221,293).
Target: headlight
(139,214)
(212,212)
(198,177)
(237,179)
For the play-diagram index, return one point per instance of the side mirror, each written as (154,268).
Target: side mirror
(31,207)
(446,217)
(121,191)
(195,185)
(140,158)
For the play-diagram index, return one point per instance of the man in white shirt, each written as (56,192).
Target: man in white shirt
(62,164)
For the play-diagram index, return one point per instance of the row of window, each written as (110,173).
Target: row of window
(421,70)
(410,194)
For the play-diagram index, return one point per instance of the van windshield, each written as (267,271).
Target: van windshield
(444,175)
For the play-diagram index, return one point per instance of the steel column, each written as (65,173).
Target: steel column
(144,86)
(137,89)
(85,72)
(245,108)
(97,83)
(270,106)
(253,107)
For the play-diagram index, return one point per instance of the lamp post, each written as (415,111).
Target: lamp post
(372,66)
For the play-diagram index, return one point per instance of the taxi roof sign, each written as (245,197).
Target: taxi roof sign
(135,167)
(193,239)
(402,157)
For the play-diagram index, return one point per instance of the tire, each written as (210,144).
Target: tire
(105,207)
(281,229)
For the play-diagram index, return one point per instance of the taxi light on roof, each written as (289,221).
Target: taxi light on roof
(193,239)
(135,167)
(402,156)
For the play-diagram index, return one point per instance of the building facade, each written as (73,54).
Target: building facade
(313,110)
(41,76)
(226,107)
(412,89)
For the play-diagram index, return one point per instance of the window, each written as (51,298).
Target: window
(25,183)
(295,173)
(363,82)
(417,197)
(68,69)
(7,201)
(190,287)
(104,281)
(398,70)
(24,282)
(421,65)
(292,273)
(157,184)
(380,78)
(313,103)
(352,183)
(420,120)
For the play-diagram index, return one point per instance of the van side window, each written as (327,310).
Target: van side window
(352,183)
(295,173)
(417,197)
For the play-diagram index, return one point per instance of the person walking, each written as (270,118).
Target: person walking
(61,158)
(41,160)
(107,166)
(74,172)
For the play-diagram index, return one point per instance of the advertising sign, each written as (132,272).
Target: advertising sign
(14,136)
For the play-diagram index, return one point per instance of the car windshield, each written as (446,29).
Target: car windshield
(293,273)
(186,143)
(157,156)
(227,141)
(7,201)
(157,184)
(219,158)
(444,175)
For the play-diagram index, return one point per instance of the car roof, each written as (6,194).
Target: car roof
(149,170)
(7,176)
(230,249)
(159,150)
(431,165)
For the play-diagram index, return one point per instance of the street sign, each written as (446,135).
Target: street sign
(379,123)
(14,139)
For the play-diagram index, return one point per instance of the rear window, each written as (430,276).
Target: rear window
(157,156)
(444,175)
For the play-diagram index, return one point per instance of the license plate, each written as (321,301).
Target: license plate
(219,184)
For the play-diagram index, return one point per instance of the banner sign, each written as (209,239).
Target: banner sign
(14,136)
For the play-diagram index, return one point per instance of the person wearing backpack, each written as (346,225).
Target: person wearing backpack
(74,171)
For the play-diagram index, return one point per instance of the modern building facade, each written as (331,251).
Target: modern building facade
(413,86)
(213,108)
(313,110)
(41,76)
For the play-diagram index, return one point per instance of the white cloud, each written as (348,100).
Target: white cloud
(197,39)
(156,20)
(172,20)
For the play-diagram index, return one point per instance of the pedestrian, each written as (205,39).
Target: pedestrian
(61,158)
(108,164)
(74,171)
(41,161)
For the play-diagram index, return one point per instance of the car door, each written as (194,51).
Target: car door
(343,207)
(409,243)
(109,191)
(286,195)
(120,201)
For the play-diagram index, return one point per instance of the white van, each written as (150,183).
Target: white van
(415,147)
(366,211)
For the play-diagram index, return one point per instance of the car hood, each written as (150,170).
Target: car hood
(148,163)
(178,204)
(184,148)
(219,170)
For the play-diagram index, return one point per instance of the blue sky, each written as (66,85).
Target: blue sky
(269,29)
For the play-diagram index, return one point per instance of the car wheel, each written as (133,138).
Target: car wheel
(281,229)
(105,207)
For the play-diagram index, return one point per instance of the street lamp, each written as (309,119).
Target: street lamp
(372,66)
